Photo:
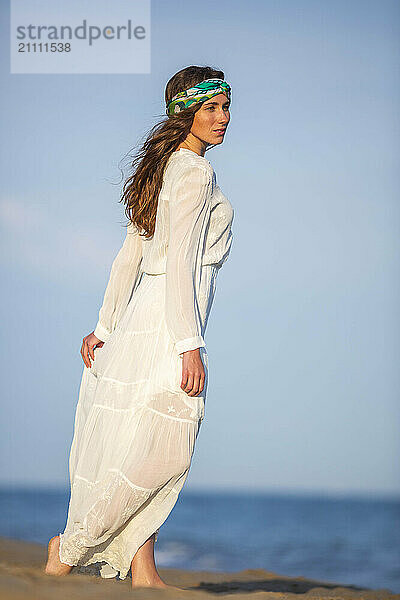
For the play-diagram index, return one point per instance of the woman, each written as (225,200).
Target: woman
(143,389)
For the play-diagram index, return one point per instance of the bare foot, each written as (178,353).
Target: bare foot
(153,583)
(54,566)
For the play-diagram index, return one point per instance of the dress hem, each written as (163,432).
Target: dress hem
(119,572)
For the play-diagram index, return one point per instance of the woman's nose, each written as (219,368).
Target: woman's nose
(223,118)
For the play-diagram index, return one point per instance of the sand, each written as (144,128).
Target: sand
(21,576)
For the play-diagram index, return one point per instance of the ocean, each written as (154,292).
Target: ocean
(353,541)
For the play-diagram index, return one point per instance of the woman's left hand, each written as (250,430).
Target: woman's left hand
(193,373)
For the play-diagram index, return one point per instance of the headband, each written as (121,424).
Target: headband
(199,93)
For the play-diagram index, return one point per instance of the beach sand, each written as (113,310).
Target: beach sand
(21,576)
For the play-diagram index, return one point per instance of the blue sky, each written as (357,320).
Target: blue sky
(303,337)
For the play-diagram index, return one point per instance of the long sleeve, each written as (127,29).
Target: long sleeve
(189,214)
(123,277)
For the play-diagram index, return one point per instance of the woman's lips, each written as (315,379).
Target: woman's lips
(220,131)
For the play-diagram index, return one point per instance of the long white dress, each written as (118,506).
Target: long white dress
(135,428)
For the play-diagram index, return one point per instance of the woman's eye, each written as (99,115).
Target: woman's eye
(213,107)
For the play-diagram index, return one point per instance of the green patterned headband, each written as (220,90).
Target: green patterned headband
(199,93)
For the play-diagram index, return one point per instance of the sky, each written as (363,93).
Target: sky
(303,337)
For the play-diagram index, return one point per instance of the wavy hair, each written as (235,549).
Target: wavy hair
(141,189)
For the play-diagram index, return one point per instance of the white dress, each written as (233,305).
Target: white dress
(135,428)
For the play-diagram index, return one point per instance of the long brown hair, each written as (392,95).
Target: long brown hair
(142,187)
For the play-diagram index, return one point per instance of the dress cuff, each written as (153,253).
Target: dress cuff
(189,344)
(101,332)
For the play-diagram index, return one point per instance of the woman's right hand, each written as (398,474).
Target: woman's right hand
(89,343)
(193,373)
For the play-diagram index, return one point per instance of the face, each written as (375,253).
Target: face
(211,120)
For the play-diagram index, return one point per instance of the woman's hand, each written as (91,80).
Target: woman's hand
(193,374)
(89,343)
